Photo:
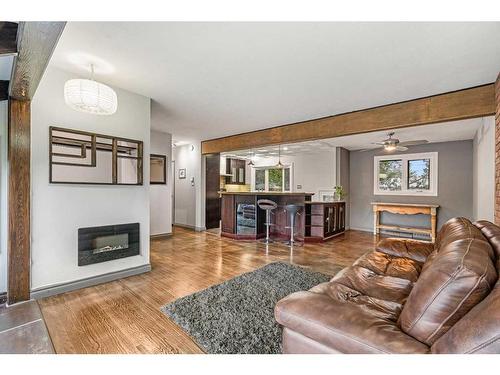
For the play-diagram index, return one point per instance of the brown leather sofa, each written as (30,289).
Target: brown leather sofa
(405,297)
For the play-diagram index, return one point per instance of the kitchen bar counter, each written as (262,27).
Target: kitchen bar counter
(242,219)
(263,193)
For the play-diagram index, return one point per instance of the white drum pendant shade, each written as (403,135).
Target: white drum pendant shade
(89,96)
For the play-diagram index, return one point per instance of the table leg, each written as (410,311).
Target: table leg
(433,225)
(376,221)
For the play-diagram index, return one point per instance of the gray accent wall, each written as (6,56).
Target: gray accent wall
(455,186)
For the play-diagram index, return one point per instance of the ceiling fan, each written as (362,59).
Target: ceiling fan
(393,144)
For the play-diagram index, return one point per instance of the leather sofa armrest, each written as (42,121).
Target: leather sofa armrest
(405,248)
(343,327)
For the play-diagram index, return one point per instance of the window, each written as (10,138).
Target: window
(408,174)
(272,178)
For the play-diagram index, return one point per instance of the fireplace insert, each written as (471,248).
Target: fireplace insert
(101,244)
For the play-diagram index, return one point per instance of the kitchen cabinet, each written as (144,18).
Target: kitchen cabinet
(235,168)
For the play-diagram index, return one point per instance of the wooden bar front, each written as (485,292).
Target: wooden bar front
(242,219)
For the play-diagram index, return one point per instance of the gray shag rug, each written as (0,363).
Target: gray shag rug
(237,316)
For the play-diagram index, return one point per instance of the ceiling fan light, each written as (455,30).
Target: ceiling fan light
(389,147)
(89,96)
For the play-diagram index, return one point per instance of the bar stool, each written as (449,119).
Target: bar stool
(267,205)
(292,210)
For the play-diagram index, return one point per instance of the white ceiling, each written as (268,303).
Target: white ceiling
(214,79)
(444,132)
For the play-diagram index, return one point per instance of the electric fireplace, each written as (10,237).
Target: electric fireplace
(101,244)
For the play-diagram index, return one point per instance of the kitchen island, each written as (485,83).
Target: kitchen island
(242,219)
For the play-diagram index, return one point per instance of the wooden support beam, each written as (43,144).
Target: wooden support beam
(18,253)
(8,38)
(4,90)
(458,105)
(36,43)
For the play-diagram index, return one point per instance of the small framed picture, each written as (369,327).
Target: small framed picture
(327,195)
(182,173)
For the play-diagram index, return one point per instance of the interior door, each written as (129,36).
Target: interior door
(212,186)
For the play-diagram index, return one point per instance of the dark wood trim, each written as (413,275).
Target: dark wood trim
(4,90)
(457,105)
(18,253)
(114,162)
(94,145)
(8,38)
(212,187)
(36,42)
(164,158)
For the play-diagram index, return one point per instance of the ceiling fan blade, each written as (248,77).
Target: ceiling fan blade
(378,143)
(369,149)
(401,148)
(414,143)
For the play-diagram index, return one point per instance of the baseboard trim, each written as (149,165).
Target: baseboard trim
(160,236)
(3,298)
(192,227)
(90,281)
(186,226)
(362,229)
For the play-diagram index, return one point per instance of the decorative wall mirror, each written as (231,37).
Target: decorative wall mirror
(80,157)
(158,169)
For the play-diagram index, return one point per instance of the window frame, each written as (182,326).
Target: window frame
(405,158)
(266,178)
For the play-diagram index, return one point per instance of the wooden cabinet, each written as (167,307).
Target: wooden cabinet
(236,168)
(324,220)
(227,214)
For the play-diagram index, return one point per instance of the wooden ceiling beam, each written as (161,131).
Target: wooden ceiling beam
(35,44)
(457,105)
(8,38)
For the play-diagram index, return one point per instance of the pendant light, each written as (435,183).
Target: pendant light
(87,95)
(279,165)
(251,163)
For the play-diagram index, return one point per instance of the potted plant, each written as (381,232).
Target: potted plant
(340,193)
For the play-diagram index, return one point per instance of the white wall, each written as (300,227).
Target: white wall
(313,172)
(59,210)
(484,171)
(3,196)
(188,199)
(161,195)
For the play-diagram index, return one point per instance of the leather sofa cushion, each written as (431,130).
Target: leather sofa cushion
(389,265)
(477,332)
(492,234)
(343,327)
(375,285)
(458,228)
(382,308)
(415,250)
(459,276)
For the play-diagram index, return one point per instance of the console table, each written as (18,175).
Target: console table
(405,209)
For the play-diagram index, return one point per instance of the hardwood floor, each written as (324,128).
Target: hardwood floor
(124,316)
